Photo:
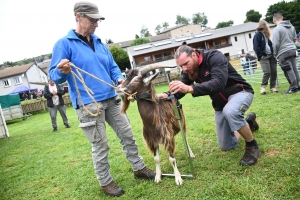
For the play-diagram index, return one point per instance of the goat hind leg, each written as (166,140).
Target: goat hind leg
(157,166)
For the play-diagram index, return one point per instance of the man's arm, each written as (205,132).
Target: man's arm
(47,93)
(59,67)
(275,40)
(60,90)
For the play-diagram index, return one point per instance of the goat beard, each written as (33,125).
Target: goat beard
(193,73)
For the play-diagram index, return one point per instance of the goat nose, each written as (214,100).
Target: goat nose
(122,88)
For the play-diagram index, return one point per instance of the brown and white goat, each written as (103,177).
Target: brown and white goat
(160,124)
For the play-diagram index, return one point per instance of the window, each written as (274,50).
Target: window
(147,58)
(6,83)
(158,56)
(18,80)
(218,43)
(250,35)
(235,38)
(167,54)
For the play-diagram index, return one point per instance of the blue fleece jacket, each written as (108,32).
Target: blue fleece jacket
(100,63)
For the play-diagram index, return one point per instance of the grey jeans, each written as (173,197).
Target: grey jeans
(232,119)
(53,113)
(95,130)
(269,67)
(287,62)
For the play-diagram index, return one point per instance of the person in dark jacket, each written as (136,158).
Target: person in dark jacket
(210,73)
(264,50)
(53,93)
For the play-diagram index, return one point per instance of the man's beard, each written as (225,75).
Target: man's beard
(193,73)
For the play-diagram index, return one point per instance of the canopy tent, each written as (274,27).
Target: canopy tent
(22,88)
(9,100)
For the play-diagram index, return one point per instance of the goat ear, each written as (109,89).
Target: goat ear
(148,79)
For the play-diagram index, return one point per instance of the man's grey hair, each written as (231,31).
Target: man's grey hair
(278,16)
(184,49)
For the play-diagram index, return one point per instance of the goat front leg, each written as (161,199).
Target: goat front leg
(178,179)
(157,165)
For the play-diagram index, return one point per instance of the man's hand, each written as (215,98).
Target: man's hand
(120,81)
(162,96)
(54,93)
(178,86)
(64,66)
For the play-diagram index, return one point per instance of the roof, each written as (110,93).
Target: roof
(172,28)
(44,66)
(127,43)
(204,36)
(10,71)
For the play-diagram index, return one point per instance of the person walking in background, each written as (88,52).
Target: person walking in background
(245,65)
(251,60)
(263,48)
(53,93)
(284,38)
(86,51)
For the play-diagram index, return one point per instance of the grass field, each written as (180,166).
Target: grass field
(36,163)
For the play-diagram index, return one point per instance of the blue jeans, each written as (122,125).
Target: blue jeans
(246,69)
(95,130)
(231,119)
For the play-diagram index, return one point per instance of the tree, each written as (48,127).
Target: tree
(224,24)
(200,18)
(109,41)
(145,32)
(139,41)
(165,25)
(252,16)
(157,29)
(289,10)
(181,20)
(137,36)
(121,57)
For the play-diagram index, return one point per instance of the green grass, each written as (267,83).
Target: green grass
(36,163)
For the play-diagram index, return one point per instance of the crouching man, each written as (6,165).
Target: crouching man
(210,73)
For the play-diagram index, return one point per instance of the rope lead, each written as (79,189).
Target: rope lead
(89,91)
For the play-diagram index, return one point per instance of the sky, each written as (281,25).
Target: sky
(30,28)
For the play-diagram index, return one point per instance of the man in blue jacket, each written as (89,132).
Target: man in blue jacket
(86,51)
(284,38)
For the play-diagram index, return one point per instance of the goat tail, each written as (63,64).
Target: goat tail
(125,104)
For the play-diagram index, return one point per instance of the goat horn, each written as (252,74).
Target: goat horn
(146,69)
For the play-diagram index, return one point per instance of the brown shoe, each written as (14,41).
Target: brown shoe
(251,120)
(274,90)
(112,189)
(144,173)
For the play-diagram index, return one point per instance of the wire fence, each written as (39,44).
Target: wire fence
(256,72)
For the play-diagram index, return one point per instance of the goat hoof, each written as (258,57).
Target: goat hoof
(179,181)
(157,179)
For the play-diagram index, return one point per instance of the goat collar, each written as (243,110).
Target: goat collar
(145,96)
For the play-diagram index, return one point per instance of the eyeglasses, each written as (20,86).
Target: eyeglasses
(93,21)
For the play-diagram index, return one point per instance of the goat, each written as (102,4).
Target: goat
(160,124)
